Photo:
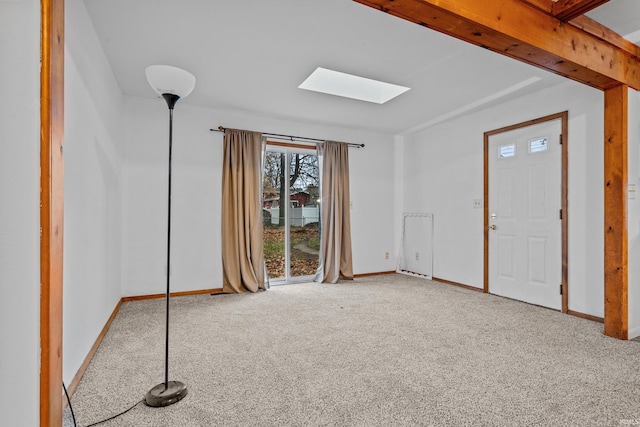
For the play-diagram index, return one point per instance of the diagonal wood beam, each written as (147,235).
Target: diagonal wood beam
(606,34)
(592,27)
(566,10)
(521,31)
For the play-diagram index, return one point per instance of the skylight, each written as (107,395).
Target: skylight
(350,86)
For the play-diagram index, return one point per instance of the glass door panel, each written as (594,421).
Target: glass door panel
(304,214)
(291,214)
(273,217)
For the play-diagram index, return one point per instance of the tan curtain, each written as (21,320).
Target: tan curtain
(336,262)
(242,252)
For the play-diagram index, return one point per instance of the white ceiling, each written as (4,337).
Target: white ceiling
(251,55)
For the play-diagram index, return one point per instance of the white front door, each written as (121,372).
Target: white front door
(525,227)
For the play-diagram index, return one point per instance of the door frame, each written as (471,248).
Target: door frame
(287,149)
(564,118)
(51,209)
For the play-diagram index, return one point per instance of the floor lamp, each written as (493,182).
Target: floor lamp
(172,84)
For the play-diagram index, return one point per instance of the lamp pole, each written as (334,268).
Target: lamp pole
(171,102)
(172,84)
(169,392)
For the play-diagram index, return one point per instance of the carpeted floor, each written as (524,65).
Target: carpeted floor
(381,351)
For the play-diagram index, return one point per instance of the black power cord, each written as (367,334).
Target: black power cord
(101,421)
(117,415)
(70,407)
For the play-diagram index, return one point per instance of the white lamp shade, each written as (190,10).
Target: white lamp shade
(167,79)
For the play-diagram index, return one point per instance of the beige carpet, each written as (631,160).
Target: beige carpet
(381,351)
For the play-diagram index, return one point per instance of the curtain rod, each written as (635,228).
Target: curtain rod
(290,137)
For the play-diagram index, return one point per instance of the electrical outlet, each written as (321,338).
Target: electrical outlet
(386,255)
(477,203)
(417,256)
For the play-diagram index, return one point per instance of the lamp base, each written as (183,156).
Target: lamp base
(160,395)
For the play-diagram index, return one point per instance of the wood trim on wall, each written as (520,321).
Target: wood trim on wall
(616,275)
(51,210)
(379,273)
(173,294)
(460,285)
(565,210)
(570,312)
(564,118)
(586,316)
(485,214)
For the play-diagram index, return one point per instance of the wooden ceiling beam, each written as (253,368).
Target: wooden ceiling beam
(544,5)
(517,29)
(566,10)
(595,28)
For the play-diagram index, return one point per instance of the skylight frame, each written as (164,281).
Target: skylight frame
(351,86)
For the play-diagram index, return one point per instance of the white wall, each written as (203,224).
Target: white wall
(634,214)
(373,214)
(93,156)
(197,161)
(195,194)
(19,211)
(444,173)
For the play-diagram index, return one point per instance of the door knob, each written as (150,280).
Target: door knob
(493,227)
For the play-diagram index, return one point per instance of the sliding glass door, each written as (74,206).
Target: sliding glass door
(291,213)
